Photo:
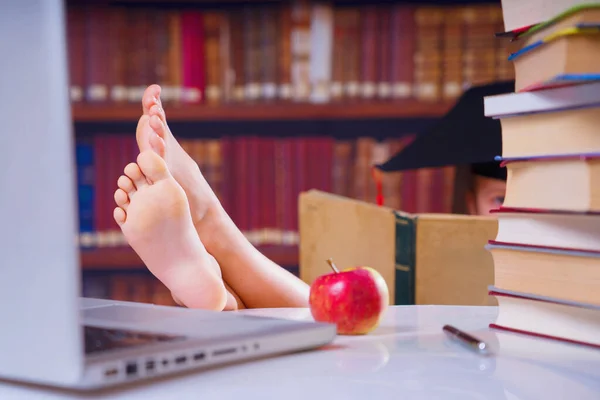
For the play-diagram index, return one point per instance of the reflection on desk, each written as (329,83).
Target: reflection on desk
(408,356)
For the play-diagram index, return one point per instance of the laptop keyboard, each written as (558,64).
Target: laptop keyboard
(99,339)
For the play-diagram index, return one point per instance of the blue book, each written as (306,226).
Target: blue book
(84,151)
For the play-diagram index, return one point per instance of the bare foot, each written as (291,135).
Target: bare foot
(154,215)
(249,275)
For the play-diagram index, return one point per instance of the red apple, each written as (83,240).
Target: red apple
(354,299)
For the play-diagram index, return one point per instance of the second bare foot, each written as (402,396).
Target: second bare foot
(152,127)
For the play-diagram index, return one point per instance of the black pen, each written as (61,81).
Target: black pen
(464,338)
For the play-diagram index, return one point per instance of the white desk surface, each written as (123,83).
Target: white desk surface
(407,357)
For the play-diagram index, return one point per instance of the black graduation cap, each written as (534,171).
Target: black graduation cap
(464,136)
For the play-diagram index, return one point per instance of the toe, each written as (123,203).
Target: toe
(157,142)
(150,98)
(157,111)
(126,184)
(143,132)
(153,166)
(122,199)
(157,125)
(158,145)
(119,215)
(132,170)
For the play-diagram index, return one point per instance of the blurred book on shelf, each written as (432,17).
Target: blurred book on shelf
(258,180)
(293,51)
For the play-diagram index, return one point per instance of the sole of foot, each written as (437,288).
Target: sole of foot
(154,215)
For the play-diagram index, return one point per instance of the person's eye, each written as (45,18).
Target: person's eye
(499,200)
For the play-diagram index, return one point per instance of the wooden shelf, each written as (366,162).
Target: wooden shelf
(357,110)
(126,258)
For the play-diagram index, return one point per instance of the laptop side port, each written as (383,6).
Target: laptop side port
(131,368)
(222,352)
(111,372)
(150,364)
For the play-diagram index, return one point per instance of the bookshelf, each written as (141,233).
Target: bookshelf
(239,105)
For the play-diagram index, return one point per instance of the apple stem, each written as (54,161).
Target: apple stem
(332,265)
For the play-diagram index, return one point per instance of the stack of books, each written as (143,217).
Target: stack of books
(547,250)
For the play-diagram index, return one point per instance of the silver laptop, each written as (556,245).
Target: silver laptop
(49,334)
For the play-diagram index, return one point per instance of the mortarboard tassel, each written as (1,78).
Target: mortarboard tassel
(376,173)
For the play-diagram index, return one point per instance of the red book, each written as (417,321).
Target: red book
(252,182)
(241,183)
(284,188)
(299,177)
(438,191)
(267,191)
(409,185)
(324,164)
(402,51)
(76,36)
(227,190)
(98,79)
(192,33)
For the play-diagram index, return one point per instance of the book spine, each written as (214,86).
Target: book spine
(214,166)
(252,208)
(453,54)
(337,52)
(268,39)
(384,34)
(212,57)
(173,90)
(424,189)
(404,290)
(76,37)
(480,54)
(118,58)
(301,46)
(369,53)
(192,25)
(237,54)
(100,149)
(227,162)
(227,74)
(288,195)
(253,62)
(403,45)
(97,49)
(352,51)
(284,53)
(84,151)
(321,51)
(341,165)
(138,71)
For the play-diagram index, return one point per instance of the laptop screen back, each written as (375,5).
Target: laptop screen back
(39,271)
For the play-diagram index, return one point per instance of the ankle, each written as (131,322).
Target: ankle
(215,229)
(192,289)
